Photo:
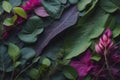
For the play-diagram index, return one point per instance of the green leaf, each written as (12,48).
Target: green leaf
(116,2)
(7,6)
(108,6)
(27,53)
(5,60)
(1,9)
(80,36)
(17,64)
(34,74)
(15,3)
(63,1)
(36,59)
(73,1)
(13,51)
(96,57)
(46,61)
(10,21)
(20,11)
(82,4)
(116,31)
(70,72)
(53,7)
(32,28)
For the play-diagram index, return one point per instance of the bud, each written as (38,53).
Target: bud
(98,49)
(108,32)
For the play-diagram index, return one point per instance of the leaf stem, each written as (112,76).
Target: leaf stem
(23,71)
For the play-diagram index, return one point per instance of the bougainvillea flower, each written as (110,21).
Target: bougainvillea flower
(104,42)
(83,65)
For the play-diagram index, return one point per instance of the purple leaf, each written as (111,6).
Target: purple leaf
(40,11)
(68,19)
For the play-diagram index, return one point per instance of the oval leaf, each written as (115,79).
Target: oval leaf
(7,6)
(13,51)
(20,12)
(40,11)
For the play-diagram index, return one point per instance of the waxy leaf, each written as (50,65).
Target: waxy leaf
(108,6)
(31,30)
(6,6)
(82,4)
(116,2)
(20,11)
(80,36)
(13,51)
(53,7)
(68,19)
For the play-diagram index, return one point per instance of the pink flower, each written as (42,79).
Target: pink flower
(31,4)
(83,65)
(104,42)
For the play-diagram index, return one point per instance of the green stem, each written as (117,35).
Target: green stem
(3,73)
(23,71)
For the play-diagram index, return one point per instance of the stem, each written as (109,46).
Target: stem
(3,73)
(12,75)
(23,71)
(107,65)
(100,72)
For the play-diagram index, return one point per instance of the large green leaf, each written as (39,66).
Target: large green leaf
(78,39)
(13,51)
(32,28)
(108,6)
(53,7)
(5,61)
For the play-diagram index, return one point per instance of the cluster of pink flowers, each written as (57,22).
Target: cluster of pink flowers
(98,70)
(104,42)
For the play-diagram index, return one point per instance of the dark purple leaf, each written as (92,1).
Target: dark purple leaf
(68,19)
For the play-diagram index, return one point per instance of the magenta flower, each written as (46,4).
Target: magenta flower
(31,4)
(104,42)
(83,65)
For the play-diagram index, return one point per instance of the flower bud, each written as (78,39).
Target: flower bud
(108,32)
(98,49)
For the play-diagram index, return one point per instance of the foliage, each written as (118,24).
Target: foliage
(43,37)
